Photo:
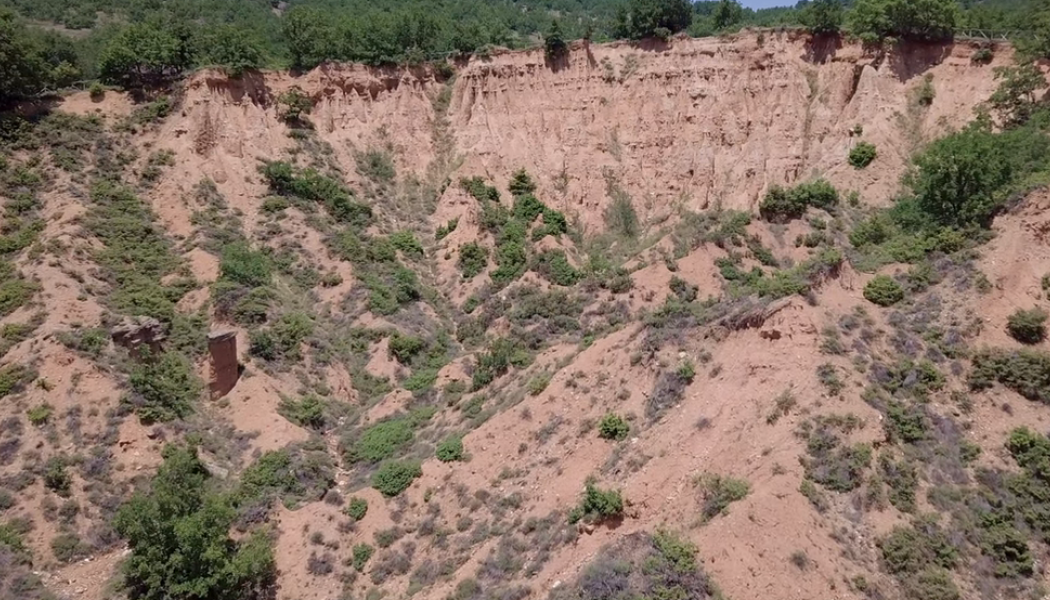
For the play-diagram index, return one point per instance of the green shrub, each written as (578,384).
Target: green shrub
(292,474)
(862,154)
(309,412)
(394,477)
(380,441)
(527,208)
(613,427)
(1027,326)
(553,266)
(685,291)
(781,205)
(376,165)
(451,449)
(274,204)
(405,347)
(67,547)
(930,584)
(482,193)
(286,180)
(356,508)
(883,290)
(166,387)
(14,378)
(56,477)
(1026,372)
(406,242)
(282,340)
(539,383)
(240,264)
(361,555)
(292,104)
(89,341)
(39,414)
(473,259)
(963,179)
(443,231)
(521,184)
(501,355)
(597,505)
(833,464)
(912,549)
(818,193)
(903,481)
(620,216)
(718,492)
(1009,548)
(178,517)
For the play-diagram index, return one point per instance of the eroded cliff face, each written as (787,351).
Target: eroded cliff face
(709,121)
(693,124)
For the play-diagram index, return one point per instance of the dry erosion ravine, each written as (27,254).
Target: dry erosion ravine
(519,287)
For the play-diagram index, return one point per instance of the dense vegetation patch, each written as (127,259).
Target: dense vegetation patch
(178,536)
(642,565)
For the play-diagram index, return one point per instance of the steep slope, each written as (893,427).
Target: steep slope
(388,308)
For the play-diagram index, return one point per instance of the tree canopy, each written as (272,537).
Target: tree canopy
(144,42)
(178,533)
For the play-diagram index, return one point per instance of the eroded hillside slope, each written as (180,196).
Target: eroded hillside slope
(465,298)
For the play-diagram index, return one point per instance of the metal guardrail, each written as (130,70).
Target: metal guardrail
(972,33)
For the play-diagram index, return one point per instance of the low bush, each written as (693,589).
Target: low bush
(554,266)
(68,547)
(308,412)
(291,474)
(56,476)
(281,341)
(836,466)
(394,477)
(861,155)
(405,347)
(451,449)
(1027,326)
(356,508)
(473,259)
(165,387)
(241,264)
(501,355)
(597,505)
(613,427)
(781,205)
(883,290)
(362,553)
(380,441)
(718,492)
(685,291)
(39,414)
(912,549)
(641,565)
(1026,372)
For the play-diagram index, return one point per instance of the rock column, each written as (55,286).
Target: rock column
(222,345)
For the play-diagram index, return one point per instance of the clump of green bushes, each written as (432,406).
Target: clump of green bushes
(781,205)
(613,427)
(597,505)
(394,477)
(883,290)
(1027,326)
(861,155)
